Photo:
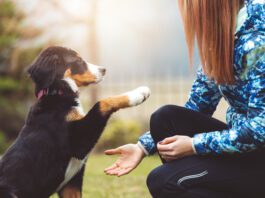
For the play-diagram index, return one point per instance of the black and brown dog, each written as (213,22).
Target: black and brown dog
(51,150)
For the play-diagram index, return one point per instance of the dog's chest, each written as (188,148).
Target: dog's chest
(76,113)
(74,165)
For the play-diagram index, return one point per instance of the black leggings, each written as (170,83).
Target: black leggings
(210,176)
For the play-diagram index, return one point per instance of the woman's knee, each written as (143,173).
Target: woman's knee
(160,115)
(159,119)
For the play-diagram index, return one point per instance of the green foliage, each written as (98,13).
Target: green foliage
(6,9)
(8,84)
(16,92)
(10,19)
(24,59)
(6,40)
(28,55)
(15,89)
(119,132)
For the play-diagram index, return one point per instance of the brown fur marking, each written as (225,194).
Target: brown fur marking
(73,115)
(67,73)
(71,192)
(81,79)
(112,104)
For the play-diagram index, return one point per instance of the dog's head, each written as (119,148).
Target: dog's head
(56,64)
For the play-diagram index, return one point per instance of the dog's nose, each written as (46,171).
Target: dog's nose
(102,70)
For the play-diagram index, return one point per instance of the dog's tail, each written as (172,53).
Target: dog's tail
(6,192)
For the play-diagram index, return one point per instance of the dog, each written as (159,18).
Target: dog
(52,148)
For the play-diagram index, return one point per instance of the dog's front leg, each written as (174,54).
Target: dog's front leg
(73,189)
(70,192)
(109,105)
(85,132)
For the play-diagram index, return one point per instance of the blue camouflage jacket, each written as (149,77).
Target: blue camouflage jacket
(246,98)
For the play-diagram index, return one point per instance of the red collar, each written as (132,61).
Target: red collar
(46,92)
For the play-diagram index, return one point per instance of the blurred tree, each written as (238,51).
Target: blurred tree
(9,32)
(15,90)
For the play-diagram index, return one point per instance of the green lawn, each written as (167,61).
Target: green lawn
(98,185)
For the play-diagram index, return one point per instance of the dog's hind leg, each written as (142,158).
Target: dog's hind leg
(73,189)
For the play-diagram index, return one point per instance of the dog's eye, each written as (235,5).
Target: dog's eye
(77,67)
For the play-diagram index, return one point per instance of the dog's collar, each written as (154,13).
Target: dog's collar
(47,91)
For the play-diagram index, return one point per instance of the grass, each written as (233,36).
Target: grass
(98,185)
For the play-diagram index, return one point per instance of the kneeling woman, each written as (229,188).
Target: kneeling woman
(202,156)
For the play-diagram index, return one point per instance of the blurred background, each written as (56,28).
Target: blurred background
(140,42)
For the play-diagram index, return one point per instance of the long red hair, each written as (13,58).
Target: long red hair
(212,24)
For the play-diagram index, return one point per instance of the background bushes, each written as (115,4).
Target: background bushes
(119,132)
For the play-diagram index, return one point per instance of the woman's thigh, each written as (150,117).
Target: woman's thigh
(210,176)
(172,120)
(202,176)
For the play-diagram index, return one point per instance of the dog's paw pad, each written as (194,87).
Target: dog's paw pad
(138,95)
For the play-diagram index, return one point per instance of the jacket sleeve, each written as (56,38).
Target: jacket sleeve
(147,143)
(250,133)
(204,95)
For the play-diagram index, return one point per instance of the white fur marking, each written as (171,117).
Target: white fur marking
(71,83)
(138,95)
(74,88)
(94,69)
(72,169)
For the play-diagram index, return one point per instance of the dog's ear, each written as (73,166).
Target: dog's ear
(43,71)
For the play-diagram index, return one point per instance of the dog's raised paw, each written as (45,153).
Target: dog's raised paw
(138,95)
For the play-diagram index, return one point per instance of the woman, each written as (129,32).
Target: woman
(202,156)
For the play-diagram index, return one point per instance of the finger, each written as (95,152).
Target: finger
(124,172)
(168,140)
(113,151)
(114,171)
(111,167)
(169,157)
(166,153)
(167,147)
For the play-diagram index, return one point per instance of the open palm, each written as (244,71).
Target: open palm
(130,156)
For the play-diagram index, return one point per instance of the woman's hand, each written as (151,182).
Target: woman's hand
(130,156)
(175,147)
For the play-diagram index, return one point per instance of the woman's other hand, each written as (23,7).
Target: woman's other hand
(130,156)
(175,147)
